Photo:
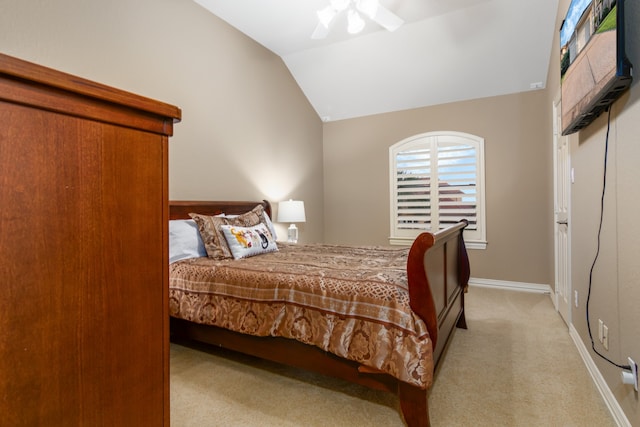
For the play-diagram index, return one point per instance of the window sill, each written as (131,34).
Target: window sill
(407,241)
(475,245)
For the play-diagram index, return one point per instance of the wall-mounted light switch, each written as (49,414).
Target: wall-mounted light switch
(600,326)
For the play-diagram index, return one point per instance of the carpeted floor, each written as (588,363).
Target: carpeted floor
(515,366)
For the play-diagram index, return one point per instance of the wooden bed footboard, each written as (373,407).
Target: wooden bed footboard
(438,274)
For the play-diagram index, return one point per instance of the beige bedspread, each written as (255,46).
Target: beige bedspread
(352,302)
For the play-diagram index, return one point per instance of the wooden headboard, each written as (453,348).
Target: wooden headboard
(180,209)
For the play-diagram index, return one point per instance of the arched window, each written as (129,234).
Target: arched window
(454,163)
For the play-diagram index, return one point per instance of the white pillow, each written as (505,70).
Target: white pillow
(272,229)
(248,241)
(184,240)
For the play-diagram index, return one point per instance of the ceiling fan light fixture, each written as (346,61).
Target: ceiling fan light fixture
(368,7)
(326,15)
(387,19)
(339,5)
(355,23)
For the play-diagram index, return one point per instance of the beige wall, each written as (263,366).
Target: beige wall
(248,132)
(615,292)
(518,162)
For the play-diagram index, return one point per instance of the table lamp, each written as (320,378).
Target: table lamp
(291,211)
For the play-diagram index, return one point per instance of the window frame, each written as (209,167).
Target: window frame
(474,239)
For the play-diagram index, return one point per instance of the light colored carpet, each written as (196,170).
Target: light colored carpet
(515,366)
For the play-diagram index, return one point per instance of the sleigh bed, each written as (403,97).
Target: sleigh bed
(377,316)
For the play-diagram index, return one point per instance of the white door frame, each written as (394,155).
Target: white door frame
(562,178)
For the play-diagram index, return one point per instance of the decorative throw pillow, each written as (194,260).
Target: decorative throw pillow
(264,219)
(249,241)
(184,240)
(213,236)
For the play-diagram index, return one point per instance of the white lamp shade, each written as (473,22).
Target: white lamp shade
(291,211)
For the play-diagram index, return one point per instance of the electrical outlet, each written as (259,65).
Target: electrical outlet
(575,298)
(631,377)
(605,336)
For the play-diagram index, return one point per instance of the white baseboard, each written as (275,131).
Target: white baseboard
(554,299)
(513,286)
(608,397)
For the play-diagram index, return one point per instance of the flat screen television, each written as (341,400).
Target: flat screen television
(594,68)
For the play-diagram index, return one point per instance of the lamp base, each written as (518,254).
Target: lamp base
(292,234)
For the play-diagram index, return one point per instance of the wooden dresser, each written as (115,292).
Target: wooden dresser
(83,251)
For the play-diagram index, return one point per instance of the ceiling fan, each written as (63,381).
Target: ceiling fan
(370,8)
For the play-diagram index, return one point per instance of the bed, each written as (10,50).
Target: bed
(377,316)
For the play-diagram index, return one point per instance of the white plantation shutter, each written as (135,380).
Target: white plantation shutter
(412,185)
(437,179)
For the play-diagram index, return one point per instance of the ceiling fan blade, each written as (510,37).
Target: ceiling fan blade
(387,19)
(380,15)
(320,32)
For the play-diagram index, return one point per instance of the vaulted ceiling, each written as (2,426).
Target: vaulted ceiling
(447,50)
